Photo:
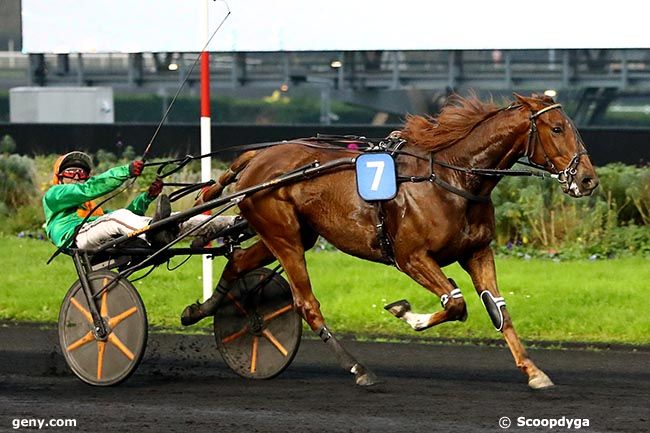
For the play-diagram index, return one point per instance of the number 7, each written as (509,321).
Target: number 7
(379,166)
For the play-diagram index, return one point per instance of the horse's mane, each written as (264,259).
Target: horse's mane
(455,121)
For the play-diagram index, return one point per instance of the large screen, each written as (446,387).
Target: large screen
(89,26)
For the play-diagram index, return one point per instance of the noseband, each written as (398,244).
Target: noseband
(564,177)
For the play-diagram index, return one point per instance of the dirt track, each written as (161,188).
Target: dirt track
(184,386)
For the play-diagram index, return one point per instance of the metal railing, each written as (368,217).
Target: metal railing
(622,69)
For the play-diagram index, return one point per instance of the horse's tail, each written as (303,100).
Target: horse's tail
(226,178)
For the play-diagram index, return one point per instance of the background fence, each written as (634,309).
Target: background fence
(605,145)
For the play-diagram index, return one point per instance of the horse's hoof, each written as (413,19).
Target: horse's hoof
(540,381)
(367,379)
(192,314)
(363,376)
(398,308)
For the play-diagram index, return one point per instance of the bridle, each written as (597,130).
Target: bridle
(566,176)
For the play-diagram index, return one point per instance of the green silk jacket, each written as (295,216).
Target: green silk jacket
(62,202)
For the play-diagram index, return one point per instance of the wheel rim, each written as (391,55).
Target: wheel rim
(108,361)
(257,331)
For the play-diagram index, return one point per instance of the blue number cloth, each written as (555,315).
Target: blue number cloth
(376,176)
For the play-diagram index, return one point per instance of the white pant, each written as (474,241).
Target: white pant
(123,221)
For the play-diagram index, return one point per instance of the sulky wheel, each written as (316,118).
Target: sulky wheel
(256,328)
(111,360)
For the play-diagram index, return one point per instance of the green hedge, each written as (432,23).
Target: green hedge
(613,220)
(17,185)
(276,108)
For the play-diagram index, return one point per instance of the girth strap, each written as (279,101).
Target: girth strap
(387,255)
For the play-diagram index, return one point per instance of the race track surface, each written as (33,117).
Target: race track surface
(183,386)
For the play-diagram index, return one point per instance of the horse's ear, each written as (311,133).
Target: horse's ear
(543,97)
(522,99)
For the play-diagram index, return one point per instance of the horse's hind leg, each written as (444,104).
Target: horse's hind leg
(288,245)
(480,267)
(241,262)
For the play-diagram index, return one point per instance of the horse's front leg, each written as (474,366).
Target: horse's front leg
(480,267)
(426,271)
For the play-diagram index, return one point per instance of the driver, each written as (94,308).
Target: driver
(69,200)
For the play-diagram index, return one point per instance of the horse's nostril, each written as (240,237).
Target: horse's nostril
(589,182)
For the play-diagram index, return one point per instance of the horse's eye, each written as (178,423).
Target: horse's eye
(556,130)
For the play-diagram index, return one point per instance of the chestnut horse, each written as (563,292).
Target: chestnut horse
(428,224)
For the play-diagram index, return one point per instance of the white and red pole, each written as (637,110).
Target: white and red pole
(206,139)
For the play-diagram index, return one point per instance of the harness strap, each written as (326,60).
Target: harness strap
(433,178)
(187,188)
(468,195)
(544,110)
(532,133)
(387,254)
(489,171)
(441,183)
(391,144)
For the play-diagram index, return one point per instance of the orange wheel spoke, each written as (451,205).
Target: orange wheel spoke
(81,342)
(254,354)
(114,321)
(104,308)
(117,343)
(277,313)
(235,335)
(82,310)
(266,333)
(236,303)
(101,347)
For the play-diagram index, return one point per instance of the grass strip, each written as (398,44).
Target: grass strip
(569,301)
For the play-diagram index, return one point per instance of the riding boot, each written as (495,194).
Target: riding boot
(193,313)
(212,230)
(166,235)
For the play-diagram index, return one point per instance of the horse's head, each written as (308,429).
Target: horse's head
(555,145)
